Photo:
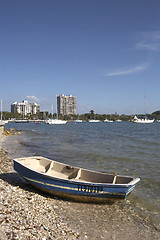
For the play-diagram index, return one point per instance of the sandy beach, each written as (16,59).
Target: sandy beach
(26,213)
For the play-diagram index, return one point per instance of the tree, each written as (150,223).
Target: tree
(92,112)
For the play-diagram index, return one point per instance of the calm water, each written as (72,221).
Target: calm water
(123,147)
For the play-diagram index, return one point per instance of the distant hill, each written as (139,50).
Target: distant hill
(156,113)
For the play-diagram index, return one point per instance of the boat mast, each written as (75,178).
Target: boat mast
(1,110)
(145,103)
(52,110)
(56,107)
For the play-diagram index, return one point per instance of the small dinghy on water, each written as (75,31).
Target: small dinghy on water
(73,183)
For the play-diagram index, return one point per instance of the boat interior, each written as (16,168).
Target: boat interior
(63,171)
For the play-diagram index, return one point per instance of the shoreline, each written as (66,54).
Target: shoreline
(27,213)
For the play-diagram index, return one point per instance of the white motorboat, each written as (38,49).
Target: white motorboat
(142,120)
(94,121)
(78,121)
(106,120)
(21,121)
(55,121)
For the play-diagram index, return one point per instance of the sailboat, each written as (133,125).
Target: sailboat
(144,119)
(55,120)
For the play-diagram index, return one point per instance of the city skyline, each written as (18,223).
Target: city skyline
(106,53)
(56,109)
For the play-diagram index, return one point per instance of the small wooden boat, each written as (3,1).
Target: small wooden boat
(74,183)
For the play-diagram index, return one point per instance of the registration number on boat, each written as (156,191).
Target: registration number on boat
(88,188)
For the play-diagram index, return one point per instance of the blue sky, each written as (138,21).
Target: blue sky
(104,52)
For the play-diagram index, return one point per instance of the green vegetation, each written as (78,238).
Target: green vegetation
(41,115)
(84,117)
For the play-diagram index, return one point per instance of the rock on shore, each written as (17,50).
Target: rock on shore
(28,214)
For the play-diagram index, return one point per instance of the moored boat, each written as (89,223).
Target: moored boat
(142,120)
(106,120)
(94,121)
(21,121)
(55,121)
(78,121)
(38,121)
(2,122)
(73,183)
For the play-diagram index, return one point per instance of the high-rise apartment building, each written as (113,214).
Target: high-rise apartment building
(25,108)
(66,105)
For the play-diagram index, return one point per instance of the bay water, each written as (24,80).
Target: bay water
(124,147)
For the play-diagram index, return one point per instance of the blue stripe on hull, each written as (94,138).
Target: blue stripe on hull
(80,198)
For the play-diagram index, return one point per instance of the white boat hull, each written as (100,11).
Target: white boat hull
(142,120)
(55,121)
(106,120)
(94,121)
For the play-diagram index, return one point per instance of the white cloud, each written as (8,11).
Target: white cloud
(149,46)
(128,70)
(149,41)
(33,98)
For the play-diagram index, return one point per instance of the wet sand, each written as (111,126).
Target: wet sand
(26,213)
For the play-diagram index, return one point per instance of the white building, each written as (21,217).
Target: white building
(25,108)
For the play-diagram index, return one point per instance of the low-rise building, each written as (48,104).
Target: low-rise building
(25,108)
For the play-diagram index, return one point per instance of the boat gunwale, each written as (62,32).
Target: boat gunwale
(79,181)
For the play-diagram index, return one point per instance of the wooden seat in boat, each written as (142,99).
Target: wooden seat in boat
(61,171)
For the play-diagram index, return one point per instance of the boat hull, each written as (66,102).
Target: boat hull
(56,121)
(142,120)
(74,190)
